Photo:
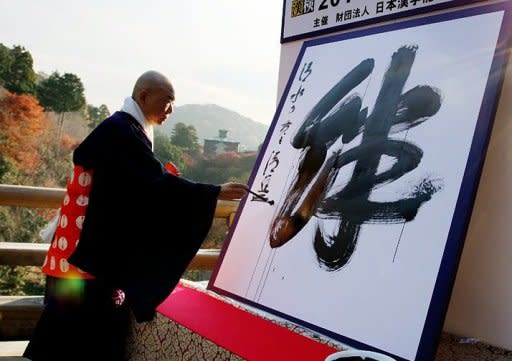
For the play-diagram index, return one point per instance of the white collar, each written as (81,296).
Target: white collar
(131,107)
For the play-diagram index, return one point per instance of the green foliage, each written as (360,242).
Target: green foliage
(11,281)
(166,151)
(6,60)
(16,70)
(197,275)
(96,115)
(185,136)
(61,93)
(20,281)
(8,171)
(19,224)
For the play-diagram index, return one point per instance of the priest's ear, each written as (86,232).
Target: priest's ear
(143,94)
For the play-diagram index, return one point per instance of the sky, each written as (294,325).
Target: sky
(224,52)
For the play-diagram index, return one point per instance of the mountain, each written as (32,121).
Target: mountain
(208,119)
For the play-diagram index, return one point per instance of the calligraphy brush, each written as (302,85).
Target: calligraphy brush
(261,197)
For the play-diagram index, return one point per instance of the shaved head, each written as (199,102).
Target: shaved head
(154,94)
(150,81)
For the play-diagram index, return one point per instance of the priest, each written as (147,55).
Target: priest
(128,229)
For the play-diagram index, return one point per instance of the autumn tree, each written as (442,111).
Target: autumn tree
(22,122)
(29,155)
(96,115)
(16,70)
(61,94)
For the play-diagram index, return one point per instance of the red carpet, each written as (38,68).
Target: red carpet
(241,332)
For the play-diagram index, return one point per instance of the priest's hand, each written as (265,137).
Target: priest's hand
(229,191)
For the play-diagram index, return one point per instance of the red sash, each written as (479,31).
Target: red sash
(67,234)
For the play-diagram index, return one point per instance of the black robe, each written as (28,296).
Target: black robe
(143,225)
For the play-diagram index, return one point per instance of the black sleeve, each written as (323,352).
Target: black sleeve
(181,224)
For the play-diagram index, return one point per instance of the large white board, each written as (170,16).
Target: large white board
(372,163)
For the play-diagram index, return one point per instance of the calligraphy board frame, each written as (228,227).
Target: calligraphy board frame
(240,263)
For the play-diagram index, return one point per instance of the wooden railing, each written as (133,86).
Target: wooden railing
(20,313)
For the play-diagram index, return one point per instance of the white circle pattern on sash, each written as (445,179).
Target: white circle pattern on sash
(80,221)
(63,221)
(64,265)
(63,243)
(84,179)
(82,200)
